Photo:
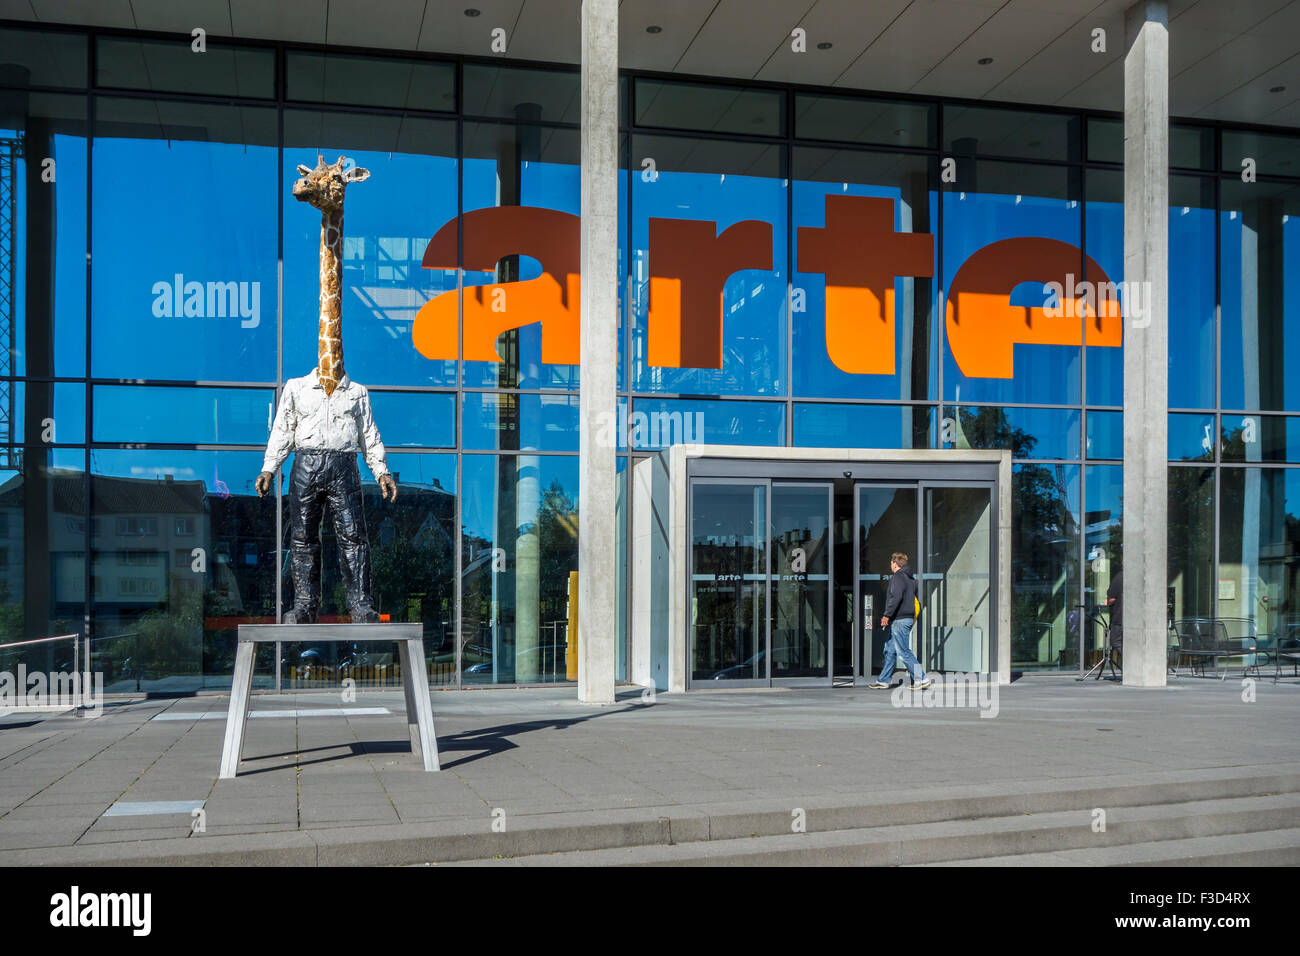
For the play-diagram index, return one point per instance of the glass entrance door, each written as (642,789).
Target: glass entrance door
(887,522)
(957,580)
(728,612)
(801,581)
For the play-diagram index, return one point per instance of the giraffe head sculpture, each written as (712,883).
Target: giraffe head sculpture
(324,187)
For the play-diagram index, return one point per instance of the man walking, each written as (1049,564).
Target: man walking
(900,615)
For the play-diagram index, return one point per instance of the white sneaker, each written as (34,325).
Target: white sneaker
(924,684)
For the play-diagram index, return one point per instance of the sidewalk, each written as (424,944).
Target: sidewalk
(318,789)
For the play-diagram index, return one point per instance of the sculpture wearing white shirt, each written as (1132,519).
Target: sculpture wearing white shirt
(325,419)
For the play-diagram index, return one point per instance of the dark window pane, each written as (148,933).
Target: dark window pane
(980,131)
(1190,147)
(31,58)
(1045,572)
(843,425)
(172,66)
(370,81)
(208,416)
(166,616)
(1103,522)
(1274,154)
(854,120)
(1191,542)
(520,542)
(717,109)
(1025,432)
(1260,438)
(42,555)
(198,286)
(1259,547)
(523,94)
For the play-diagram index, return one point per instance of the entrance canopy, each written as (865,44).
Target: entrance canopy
(760,566)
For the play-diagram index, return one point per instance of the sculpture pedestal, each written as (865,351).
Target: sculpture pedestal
(410,642)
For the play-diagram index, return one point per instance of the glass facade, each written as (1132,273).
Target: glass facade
(158,285)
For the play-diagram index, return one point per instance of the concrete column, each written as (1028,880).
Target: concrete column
(598,443)
(1146,341)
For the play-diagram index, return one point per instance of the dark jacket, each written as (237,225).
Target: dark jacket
(900,602)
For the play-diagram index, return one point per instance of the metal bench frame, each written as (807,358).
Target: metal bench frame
(410,642)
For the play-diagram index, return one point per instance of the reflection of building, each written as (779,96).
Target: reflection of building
(772,142)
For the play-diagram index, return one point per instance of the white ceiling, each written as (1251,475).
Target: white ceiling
(1225,55)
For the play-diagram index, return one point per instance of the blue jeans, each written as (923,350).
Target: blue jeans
(899,645)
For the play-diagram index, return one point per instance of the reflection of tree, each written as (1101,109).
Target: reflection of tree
(557,528)
(557,531)
(168,638)
(1044,531)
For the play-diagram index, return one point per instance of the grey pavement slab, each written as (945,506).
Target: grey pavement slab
(541,756)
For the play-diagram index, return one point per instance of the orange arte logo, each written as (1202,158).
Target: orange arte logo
(857,250)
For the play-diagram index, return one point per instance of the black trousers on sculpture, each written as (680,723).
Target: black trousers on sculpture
(318,479)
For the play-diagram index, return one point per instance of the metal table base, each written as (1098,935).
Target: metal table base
(410,642)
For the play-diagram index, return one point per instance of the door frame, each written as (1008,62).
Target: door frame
(862,672)
(991,646)
(671,472)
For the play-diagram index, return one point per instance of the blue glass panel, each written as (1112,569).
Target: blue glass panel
(199,416)
(190,275)
(1260,260)
(658,423)
(415,419)
(724,183)
(1105,434)
(519,543)
(905,182)
(988,203)
(1027,432)
(514,421)
(516,165)
(1260,438)
(1191,438)
(61,419)
(49,228)
(842,425)
(388,220)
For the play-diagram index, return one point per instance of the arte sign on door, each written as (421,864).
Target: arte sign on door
(857,250)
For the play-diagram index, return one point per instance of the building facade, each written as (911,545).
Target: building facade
(800,267)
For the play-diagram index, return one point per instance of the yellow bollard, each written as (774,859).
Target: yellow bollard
(571,644)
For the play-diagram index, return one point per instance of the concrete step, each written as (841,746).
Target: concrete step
(1265,848)
(1003,837)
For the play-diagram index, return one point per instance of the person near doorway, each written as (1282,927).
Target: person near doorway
(1115,601)
(900,614)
